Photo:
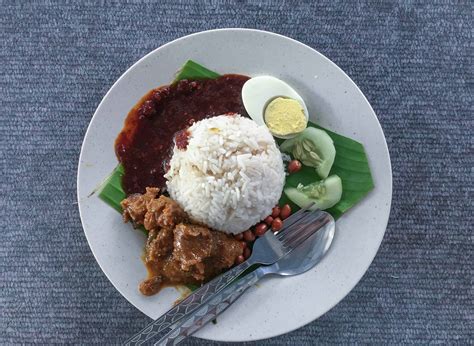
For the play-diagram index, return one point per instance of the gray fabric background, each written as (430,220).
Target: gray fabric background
(413,61)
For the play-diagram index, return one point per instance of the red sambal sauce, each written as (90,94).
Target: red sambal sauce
(145,144)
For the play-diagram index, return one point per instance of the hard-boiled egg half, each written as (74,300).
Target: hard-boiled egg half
(270,101)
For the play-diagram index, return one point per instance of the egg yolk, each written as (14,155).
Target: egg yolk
(285,116)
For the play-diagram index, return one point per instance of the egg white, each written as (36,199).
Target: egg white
(257,93)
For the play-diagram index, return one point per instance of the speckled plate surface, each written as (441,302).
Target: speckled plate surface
(276,305)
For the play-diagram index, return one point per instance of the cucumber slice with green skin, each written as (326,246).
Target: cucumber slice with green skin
(314,148)
(324,194)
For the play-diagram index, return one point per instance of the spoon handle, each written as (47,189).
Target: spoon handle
(210,310)
(188,305)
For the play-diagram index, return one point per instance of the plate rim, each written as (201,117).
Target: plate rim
(373,114)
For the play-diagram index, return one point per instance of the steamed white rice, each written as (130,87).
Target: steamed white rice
(231,174)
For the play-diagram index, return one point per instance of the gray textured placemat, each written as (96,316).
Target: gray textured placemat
(414,63)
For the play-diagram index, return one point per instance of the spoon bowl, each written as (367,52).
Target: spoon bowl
(308,254)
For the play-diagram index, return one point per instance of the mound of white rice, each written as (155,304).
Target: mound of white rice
(231,174)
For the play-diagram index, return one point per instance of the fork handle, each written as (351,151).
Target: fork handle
(188,305)
(210,310)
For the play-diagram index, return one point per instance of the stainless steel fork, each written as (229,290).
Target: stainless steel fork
(266,250)
(297,262)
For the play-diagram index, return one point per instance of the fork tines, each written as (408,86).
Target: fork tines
(300,226)
(292,219)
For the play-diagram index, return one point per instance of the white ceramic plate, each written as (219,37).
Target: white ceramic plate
(276,305)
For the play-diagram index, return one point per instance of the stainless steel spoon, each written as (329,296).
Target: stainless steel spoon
(305,257)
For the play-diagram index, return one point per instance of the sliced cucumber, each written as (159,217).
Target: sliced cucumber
(314,148)
(324,194)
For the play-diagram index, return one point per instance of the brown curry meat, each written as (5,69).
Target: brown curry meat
(177,251)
